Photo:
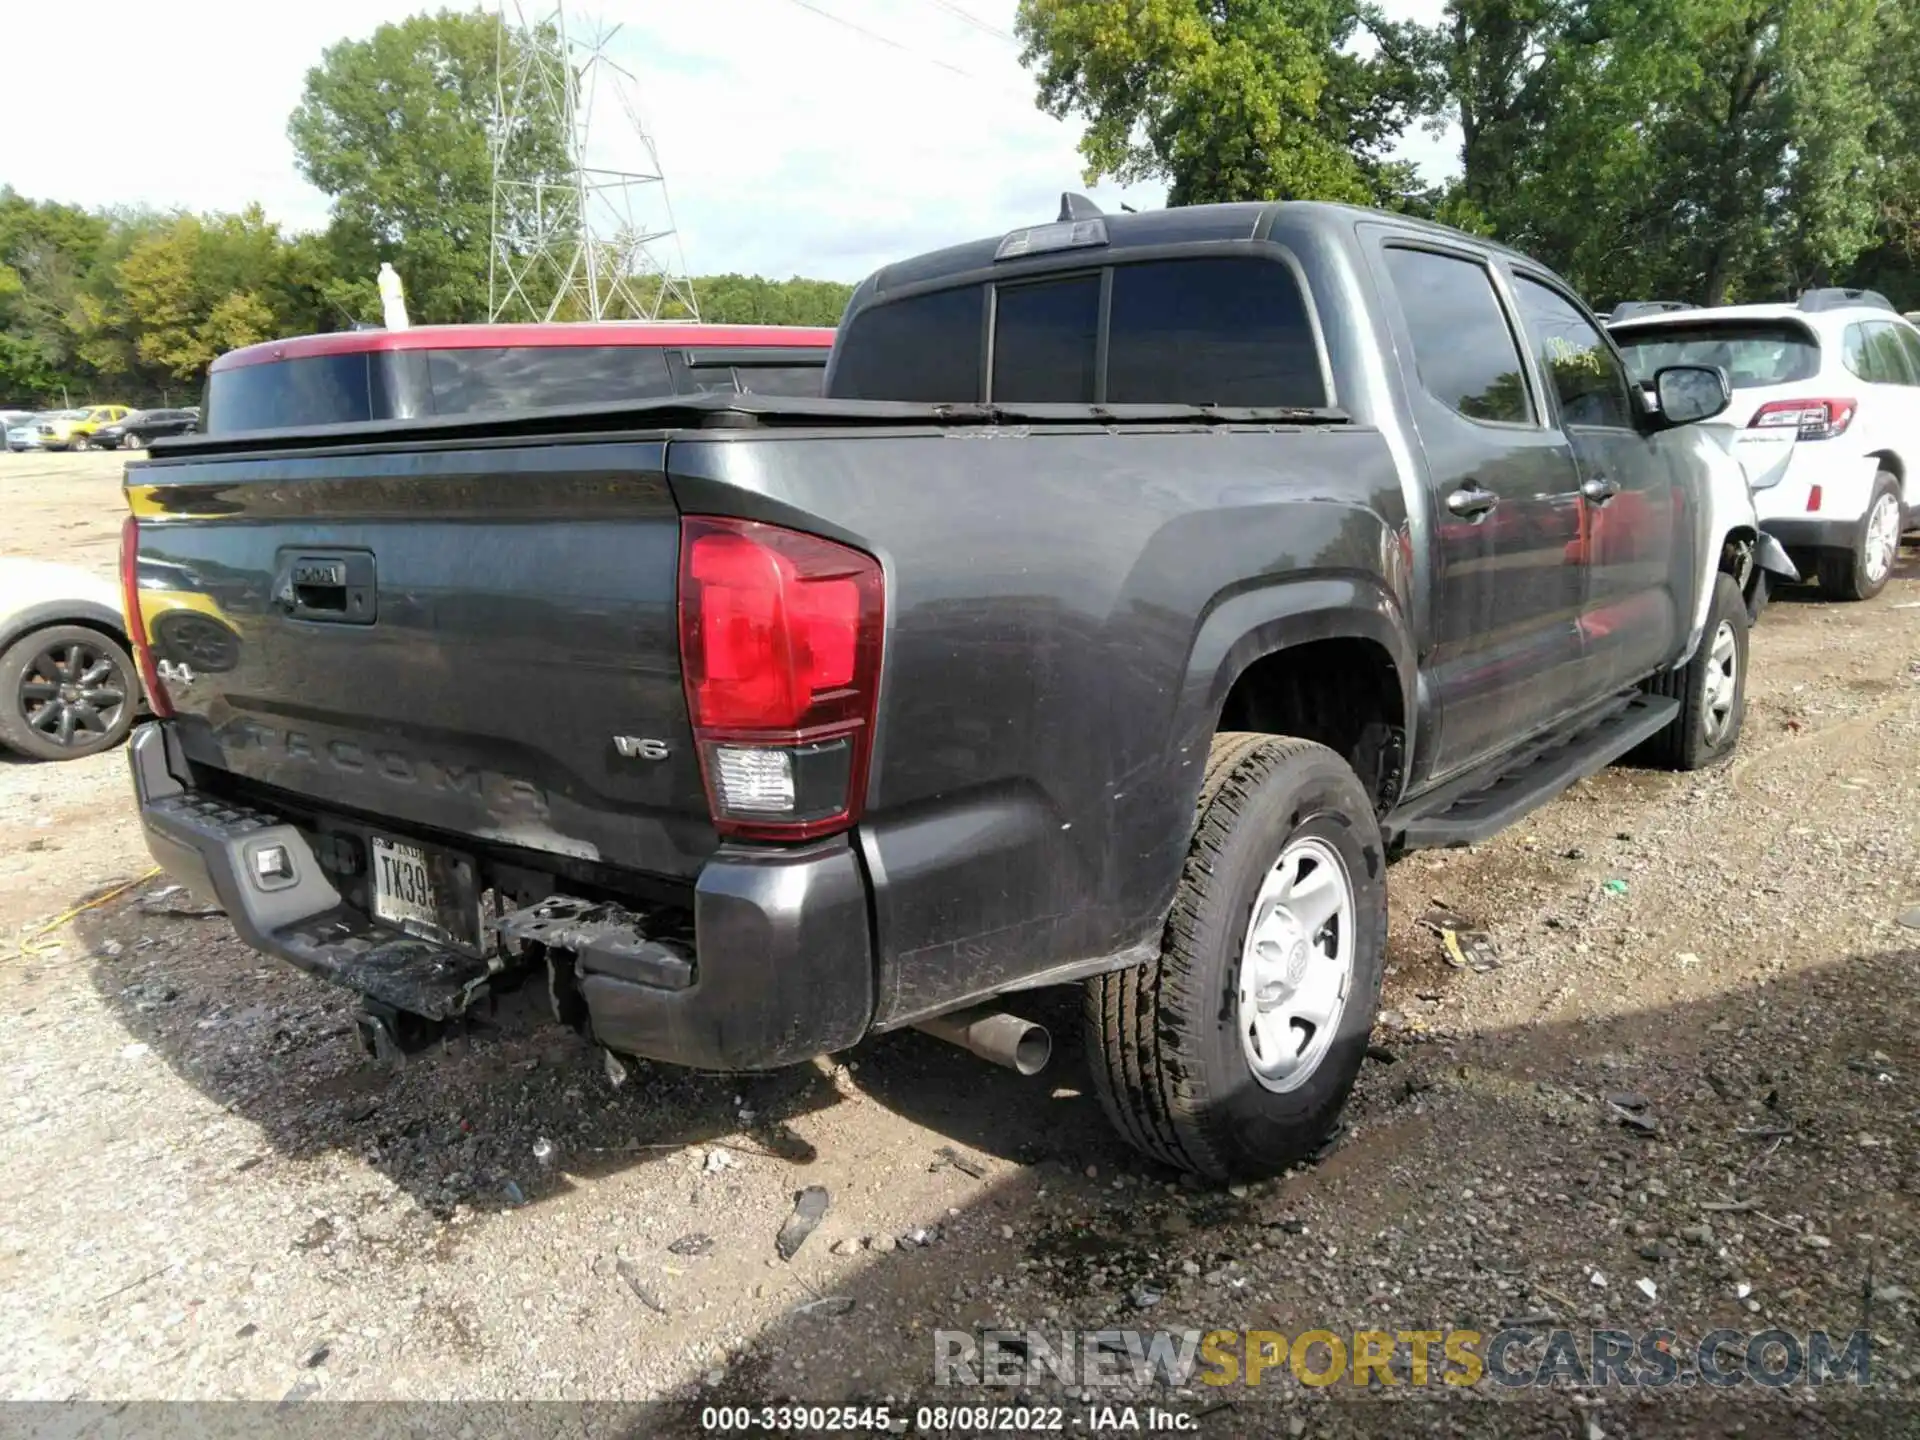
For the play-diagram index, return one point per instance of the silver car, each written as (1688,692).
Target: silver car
(23,431)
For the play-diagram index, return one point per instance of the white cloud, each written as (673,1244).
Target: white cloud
(792,143)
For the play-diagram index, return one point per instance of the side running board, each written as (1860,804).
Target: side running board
(1481,804)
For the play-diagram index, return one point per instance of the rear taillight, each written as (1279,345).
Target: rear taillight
(780,640)
(158,700)
(1814,419)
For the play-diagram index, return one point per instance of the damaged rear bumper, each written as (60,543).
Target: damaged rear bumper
(781,966)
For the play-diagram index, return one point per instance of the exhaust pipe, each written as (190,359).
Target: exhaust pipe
(994,1035)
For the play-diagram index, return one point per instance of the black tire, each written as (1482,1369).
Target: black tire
(1848,574)
(77,443)
(1704,734)
(1164,1039)
(84,718)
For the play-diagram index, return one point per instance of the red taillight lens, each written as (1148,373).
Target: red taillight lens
(158,700)
(1814,419)
(780,641)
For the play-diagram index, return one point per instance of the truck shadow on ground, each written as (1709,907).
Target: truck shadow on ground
(1702,1146)
(1482,1175)
(471,1119)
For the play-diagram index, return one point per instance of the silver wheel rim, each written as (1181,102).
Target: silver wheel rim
(1296,966)
(1883,538)
(1723,683)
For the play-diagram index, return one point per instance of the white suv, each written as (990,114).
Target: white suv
(1841,371)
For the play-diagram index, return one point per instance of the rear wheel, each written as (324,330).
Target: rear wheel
(1232,1052)
(65,692)
(1860,573)
(1711,689)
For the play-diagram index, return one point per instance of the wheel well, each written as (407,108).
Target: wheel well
(82,622)
(1341,693)
(1891,463)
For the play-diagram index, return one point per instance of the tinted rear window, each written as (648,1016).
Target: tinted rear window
(1231,331)
(1754,353)
(527,378)
(1044,339)
(926,349)
(288,394)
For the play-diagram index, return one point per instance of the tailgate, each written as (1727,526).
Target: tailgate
(480,642)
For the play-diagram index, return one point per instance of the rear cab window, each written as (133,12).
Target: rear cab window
(1755,354)
(1228,330)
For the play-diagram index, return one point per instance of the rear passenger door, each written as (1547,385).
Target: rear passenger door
(1889,416)
(1505,656)
(1639,570)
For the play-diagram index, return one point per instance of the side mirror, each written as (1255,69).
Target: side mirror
(1687,394)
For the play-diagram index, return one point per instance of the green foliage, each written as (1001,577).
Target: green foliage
(1703,149)
(1260,99)
(754,300)
(396,129)
(1697,149)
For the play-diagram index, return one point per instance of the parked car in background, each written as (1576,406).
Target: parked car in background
(26,434)
(74,429)
(10,420)
(359,375)
(140,426)
(1839,370)
(68,687)
(1141,585)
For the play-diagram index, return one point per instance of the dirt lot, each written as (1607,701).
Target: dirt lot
(206,1191)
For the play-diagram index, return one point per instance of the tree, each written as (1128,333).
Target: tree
(395,128)
(1259,99)
(202,285)
(1698,149)
(753,300)
(50,250)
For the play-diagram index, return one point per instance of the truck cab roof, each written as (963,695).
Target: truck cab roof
(1128,233)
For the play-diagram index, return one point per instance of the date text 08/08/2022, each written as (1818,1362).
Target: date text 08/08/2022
(940,1419)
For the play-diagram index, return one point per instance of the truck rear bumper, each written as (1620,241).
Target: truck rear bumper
(782,969)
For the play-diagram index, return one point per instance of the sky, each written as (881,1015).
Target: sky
(798,137)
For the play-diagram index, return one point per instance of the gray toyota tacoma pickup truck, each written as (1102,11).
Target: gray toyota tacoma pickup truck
(1142,585)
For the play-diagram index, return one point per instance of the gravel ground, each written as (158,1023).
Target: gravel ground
(1683,1096)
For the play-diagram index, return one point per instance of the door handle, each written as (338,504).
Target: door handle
(327,586)
(1599,489)
(1472,501)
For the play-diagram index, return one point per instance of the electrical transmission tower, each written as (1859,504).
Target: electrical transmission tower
(582,229)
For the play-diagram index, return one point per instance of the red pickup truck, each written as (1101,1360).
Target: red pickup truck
(355,376)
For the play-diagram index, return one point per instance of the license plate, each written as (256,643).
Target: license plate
(429,893)
(403,886)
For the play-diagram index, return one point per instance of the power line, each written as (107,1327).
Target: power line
(1023,100)
(974,20)
(884,39)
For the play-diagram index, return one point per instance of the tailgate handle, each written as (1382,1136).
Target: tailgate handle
(329,586)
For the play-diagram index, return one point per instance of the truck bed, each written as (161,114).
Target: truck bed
(497,676)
